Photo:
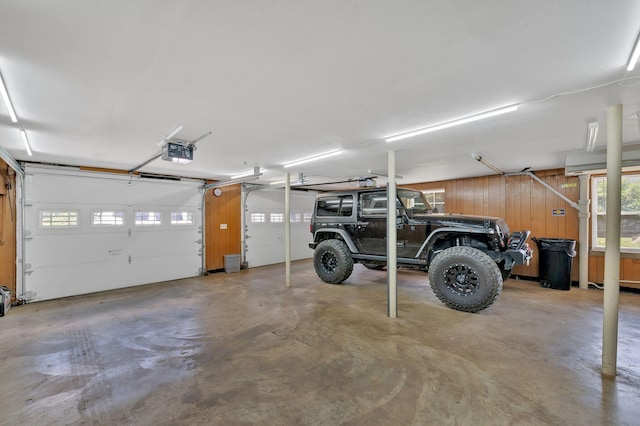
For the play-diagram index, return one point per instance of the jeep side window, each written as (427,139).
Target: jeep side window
(414,202)
(373,204)
(335,206)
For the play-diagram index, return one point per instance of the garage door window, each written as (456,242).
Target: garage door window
(181,218)
(148,218)
(630,213)
(108,218)
(258,218)
(59,218)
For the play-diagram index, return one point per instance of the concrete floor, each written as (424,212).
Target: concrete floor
(235,349)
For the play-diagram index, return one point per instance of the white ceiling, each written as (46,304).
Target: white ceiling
(100,83)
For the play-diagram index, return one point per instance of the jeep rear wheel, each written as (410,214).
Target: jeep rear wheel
(465,279)
(332,261)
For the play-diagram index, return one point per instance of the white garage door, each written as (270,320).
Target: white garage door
(88,231)
(264,218)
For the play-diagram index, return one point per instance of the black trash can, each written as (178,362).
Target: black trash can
(556,259)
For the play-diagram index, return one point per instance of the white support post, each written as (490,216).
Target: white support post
(287,230)
(392,247)
(583,244)
(612,242)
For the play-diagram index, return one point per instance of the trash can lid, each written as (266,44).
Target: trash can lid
(556,244)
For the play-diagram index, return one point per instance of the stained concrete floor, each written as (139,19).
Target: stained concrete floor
(236,349)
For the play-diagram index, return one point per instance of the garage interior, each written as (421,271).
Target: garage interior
(147,147)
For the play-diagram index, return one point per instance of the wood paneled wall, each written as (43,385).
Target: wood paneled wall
(8,228)
(524,204)
(222,225)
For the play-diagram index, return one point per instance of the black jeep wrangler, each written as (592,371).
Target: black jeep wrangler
(467,257)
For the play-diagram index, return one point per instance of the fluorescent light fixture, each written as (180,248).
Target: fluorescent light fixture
(171,134)
(313,158)
(463,120)
(301,179)
(25,140)
(255,171)
(592,135)
(633,59)
(7,101)
(382,173)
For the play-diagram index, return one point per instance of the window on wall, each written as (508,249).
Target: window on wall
(276,217)
(181,218)
(108,218)
(148,218)
(435,197)
(258,218)
(59,218)
(630,212)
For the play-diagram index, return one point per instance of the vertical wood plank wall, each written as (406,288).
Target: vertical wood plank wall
(526,204)
(220,211)
(8,228)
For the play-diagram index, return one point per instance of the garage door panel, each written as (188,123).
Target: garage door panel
(145,270)
(82,278)
(265,227)
(90,256)
(81,248)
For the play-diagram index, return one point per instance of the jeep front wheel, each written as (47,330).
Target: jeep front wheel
(465,279)
(332,261)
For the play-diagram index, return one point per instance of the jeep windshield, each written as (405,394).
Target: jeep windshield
(414,202)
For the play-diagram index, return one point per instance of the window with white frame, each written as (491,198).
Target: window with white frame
(258,218)
(181,218)
(148,218)
(629,212)
(276,217)
(435,197)
(107,218)
(59,218)
(295,217)
(306,216)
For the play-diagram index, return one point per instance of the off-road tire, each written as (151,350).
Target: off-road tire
(332,261)
(465,279)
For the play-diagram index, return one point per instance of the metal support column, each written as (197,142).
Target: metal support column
(612,242)
(287,230)
(583,244)
(392,247)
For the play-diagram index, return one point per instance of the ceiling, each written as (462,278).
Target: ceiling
(100,83)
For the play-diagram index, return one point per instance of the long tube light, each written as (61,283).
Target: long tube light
(635,53)
(313,158)
(459,121)
(7,100)
(254,172)
(592,135)
(25,140)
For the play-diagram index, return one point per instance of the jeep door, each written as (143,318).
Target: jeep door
(415,227)
(371,227)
